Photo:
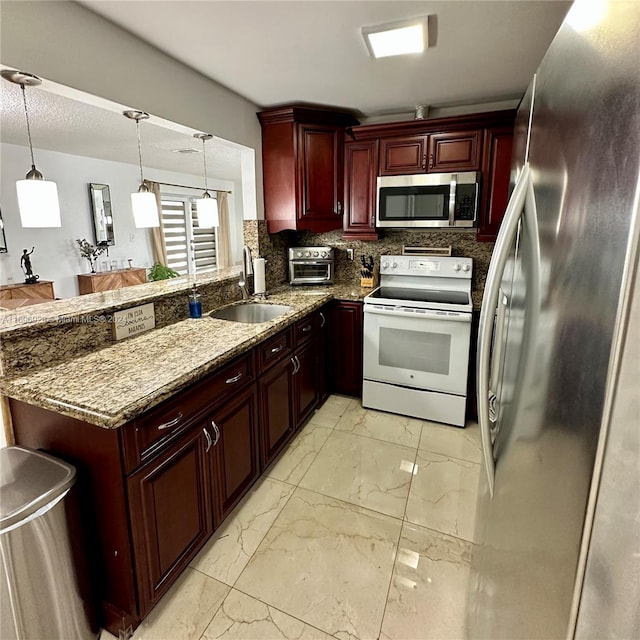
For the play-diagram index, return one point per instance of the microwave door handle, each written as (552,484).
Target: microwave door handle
(411,206)
(504,240)
(452,199)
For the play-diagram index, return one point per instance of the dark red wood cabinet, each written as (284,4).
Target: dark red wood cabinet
(455,151)
(344,351)
(302,157)
(360,176)
(403,155)
(171,516)
(498,144)
(233,427)
(309,373)
(275,389)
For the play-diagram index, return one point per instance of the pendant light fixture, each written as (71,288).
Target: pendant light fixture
(206,206)
(143,203)
(37,198)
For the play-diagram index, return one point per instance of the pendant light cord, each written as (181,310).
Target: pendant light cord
(139,150)
(204,160)
(26,113)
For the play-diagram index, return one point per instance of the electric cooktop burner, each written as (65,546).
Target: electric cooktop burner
(420,295)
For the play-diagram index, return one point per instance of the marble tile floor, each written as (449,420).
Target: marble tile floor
(361,529)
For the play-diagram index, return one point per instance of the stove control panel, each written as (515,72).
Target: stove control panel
(434,266)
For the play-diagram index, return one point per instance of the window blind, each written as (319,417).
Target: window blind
(189,248)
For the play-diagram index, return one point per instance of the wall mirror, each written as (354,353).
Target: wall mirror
(3,238)
(102,216)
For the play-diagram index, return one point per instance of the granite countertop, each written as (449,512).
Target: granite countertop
(49,313)
(111,386)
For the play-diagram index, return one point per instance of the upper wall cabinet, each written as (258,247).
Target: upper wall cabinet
(403,155)
(302,156)
(360,164)
(457,151)
(477,142)
(439,152)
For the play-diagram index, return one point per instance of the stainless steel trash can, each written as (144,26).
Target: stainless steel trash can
(39,594)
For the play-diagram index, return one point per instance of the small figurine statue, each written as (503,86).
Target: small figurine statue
(25,264)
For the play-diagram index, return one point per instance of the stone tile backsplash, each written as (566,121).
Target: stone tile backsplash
(274,249)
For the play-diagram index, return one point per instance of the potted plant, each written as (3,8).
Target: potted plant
(160,271)
(90,252)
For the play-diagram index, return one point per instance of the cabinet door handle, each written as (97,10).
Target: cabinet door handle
(339,208)
(234,379)
(424,161)
(323,320)
(431,161)
(216,431)
(277,349)
(298,363)
(207,435)
(294,362)
(306,329)
(171,423)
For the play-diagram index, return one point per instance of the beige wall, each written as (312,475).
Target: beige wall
(67,43)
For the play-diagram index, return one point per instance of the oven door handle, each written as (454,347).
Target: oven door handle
(311,261)
(493,283)
(426,314)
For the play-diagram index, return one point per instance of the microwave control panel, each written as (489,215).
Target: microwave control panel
(466,201)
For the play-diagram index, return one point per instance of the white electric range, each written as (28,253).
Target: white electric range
(417,327)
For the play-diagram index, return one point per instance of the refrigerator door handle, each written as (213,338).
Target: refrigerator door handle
(497,265)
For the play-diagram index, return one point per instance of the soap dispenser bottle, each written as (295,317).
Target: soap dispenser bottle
(195,304)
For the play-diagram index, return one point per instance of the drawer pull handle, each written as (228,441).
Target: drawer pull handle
(306,329)
(171,423)
(324,320)
(216,431)
(209,441)
(235,378)
(277,349)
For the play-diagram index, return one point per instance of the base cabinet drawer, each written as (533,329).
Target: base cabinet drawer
(144,437)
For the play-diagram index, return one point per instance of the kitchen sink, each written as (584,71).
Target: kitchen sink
(251,313)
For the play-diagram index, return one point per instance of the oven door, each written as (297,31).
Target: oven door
(310,271)
(417,348)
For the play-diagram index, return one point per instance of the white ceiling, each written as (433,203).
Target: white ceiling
(275,52)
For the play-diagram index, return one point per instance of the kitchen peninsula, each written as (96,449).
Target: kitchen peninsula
(173,425)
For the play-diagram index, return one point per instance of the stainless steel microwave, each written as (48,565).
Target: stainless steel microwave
(428,200)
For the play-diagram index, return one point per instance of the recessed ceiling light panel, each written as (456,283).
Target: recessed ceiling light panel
(397,38)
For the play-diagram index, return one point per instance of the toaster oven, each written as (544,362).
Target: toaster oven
(311,265)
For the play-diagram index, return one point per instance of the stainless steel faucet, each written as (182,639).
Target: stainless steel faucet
(247,270)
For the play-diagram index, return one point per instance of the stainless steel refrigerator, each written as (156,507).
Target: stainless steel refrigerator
(558,518)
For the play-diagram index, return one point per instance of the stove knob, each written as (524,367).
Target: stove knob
(307,254)
(299,254)
(323,254)
(315,254)
(385,264)
(465,267)
(394,265)
(456,267)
